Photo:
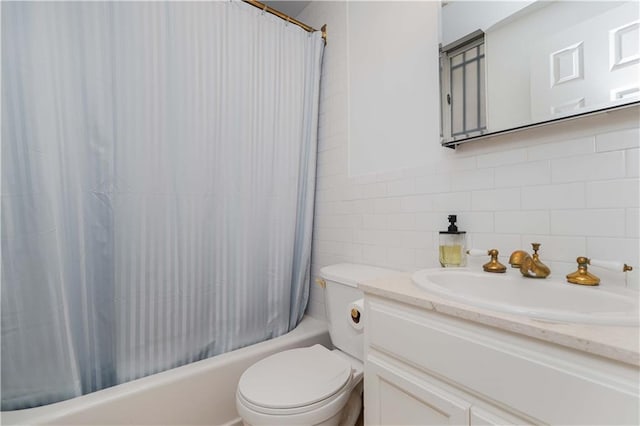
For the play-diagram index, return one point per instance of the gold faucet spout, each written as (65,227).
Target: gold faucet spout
(530,265)
(517,258)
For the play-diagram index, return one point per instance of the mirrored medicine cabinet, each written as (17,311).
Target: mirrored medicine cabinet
(510,65)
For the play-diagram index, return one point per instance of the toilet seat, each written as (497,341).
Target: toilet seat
(294,381)
(323,405)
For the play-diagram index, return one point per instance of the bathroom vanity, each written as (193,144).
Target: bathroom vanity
(431,360)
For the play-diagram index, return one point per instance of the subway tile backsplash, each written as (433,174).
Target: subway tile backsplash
(571,186)
(577,196)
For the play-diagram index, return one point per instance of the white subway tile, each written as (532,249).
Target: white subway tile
(417,203)
(418,171)
(401,187)
(331,162)
(504,243)
(402,221)
(332,142)
(389,176)
(364,179)
(588,222)
(456,163)
(476,221)
(337,221)
(433,183)
(374,190)
(522,222)
(535,173)
(338,207)
(378,237)
(472,179)
(388,205)
(367,236)
(613,193)
(502,158)
(557,196)
(625,250)
(331,247)
(333,194)
(560,149)
(375,221)
(622,139)
(633,224)
(401,258)
(374,255)
(452,202)
(352,192)
(556,249)
(332,181)
(431,221)
(426,259)
(316,310)
(608,165)
(334,234)
(632,159)
(417,239)
(496,199)
(363,206)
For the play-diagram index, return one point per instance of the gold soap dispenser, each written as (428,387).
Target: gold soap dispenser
(453,245)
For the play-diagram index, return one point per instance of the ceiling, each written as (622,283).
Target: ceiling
(291,8)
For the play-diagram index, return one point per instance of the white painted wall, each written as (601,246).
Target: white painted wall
(386,63)
(573,186)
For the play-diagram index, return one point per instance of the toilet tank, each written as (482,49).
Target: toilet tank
(340,291)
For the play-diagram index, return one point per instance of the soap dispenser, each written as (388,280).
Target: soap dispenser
(453,245)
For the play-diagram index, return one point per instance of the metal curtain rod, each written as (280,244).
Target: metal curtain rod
(287,18)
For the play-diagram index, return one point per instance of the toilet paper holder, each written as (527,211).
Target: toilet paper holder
(355,315)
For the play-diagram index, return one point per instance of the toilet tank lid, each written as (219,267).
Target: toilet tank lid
(352,274)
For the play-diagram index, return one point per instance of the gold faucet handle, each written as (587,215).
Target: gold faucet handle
(477,252)
(611,265)
(582,276)
(493,265)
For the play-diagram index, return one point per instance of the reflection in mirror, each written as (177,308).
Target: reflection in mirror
(512,64)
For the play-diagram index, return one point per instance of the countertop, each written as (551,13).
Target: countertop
(620,343)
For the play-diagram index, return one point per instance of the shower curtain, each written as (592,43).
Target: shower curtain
(158,172)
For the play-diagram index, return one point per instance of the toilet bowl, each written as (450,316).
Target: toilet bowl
(314,385)
(306,386)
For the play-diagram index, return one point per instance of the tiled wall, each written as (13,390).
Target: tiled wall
(574,187)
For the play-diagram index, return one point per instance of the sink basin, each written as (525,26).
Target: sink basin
(544,299)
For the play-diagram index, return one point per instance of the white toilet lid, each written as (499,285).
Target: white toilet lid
(294,378)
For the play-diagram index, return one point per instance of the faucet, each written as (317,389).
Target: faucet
(530,265)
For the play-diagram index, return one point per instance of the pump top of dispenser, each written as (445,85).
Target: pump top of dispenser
(453,228)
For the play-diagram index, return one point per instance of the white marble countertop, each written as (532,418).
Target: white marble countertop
(614,342)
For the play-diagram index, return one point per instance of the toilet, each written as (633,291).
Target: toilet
(314,385)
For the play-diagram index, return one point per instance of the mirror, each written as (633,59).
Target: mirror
(507,65)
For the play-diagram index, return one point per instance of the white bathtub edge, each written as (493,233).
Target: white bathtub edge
(229,366)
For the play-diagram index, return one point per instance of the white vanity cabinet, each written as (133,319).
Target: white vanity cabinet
(427,368)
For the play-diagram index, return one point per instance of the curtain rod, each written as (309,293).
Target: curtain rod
(287,18)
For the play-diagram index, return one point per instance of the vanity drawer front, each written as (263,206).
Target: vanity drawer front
(553,384)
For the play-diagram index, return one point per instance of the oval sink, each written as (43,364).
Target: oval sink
(543,299)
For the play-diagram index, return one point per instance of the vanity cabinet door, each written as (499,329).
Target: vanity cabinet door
(396,397)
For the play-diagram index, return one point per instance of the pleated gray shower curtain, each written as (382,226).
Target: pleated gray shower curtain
(158,173)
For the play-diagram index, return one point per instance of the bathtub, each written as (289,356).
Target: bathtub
(200,393)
